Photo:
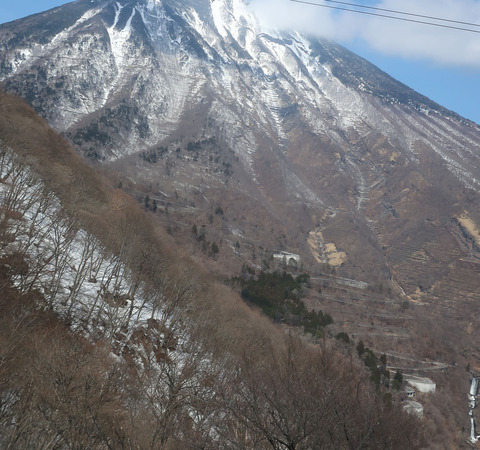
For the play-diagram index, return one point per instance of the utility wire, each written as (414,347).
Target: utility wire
(423,22)
(376,8)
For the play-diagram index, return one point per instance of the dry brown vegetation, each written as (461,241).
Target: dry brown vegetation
(213,374)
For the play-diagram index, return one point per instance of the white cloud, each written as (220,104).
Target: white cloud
(391,37)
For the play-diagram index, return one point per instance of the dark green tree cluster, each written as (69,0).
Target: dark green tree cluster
(278,295)
(380,375)
(343,336)
(397,380)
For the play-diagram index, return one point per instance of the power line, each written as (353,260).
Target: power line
(423,22)
(376,8)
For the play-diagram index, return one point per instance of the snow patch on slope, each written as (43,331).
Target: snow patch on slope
(77,276)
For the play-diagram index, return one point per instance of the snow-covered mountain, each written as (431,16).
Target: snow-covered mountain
(145,64)
(250,146)
(306,147)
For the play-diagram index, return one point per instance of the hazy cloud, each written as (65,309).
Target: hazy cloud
(391,37)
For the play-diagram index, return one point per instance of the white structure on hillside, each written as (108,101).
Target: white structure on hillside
(421,384)
(472,403)
(287,257)
(414,408)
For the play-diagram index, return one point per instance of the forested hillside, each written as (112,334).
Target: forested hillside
(110,338)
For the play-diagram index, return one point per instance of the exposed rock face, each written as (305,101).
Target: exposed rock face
(290,135)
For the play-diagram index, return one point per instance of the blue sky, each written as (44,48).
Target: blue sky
(440,63)
(11,10)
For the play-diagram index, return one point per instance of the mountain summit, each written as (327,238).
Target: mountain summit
(168,58)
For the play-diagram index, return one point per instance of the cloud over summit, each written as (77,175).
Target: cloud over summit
(440,45)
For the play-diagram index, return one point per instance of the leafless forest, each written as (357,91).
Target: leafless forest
(111,338)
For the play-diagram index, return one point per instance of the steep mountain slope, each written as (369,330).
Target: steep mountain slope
(109,339)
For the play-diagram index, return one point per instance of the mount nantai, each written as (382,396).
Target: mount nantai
(263,141)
